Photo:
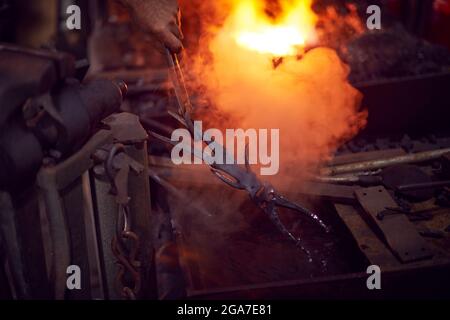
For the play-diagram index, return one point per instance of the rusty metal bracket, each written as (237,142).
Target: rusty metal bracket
(131,192)
(398,232)
(370,245)
(62,190)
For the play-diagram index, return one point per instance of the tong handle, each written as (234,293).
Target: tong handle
(179,84)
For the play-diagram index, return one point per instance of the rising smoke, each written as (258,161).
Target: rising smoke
(308,98)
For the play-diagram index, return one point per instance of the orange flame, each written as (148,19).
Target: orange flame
(308,99)
(282,36)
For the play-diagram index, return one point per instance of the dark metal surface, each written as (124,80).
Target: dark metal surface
(370,245)
(24,234)
(43,109)
(25,73)
(398,283)
(365,156)
(424,185)
(71,197)
(386,162)
(68,245)
(396,176)
(407,105)
(123,210)
(398,232)
(11,245)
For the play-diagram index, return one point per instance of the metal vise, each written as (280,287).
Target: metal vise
(45,110)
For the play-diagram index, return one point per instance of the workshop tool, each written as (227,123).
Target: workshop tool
(425,185)
(163,167)
(47,122)
(11,246)
(409,181)
(383,163)
(46,111)
(239,177)
(395,176)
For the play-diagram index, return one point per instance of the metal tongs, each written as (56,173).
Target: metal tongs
(263,194)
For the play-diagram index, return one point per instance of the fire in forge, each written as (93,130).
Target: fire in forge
(246,150)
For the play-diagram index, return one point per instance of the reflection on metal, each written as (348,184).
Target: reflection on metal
(383,163)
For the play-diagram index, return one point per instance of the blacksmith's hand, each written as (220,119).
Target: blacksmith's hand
(160,19)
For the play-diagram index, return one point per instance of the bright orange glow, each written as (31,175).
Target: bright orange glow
(283,35)
(305,95)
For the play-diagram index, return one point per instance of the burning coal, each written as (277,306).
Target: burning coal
(252,65)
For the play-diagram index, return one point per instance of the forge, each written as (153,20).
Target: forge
(119,157)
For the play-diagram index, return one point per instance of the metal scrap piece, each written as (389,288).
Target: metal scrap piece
(383,163)
(370,245)
(399,233)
